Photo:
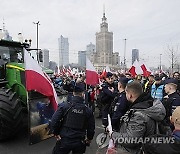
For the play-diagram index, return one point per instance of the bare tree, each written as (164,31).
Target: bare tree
(173,56)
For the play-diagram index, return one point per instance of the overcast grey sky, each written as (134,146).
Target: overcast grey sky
(148,25)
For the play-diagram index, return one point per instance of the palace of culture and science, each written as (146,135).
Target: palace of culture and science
(104,55)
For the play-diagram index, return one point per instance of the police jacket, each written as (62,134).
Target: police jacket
(78,122)
(120,108)
(175,97)
(171,103)
(139,120)
(107,96)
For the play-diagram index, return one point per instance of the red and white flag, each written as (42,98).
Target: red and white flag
(91,74)
(69,71)
(38,80)
(139,68)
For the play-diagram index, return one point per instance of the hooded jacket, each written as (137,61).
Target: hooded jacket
(139,120)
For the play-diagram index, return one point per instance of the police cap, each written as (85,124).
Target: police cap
(123,80)
(175,81)
(79,87)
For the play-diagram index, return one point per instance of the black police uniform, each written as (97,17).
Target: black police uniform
(120,109)
(77,124)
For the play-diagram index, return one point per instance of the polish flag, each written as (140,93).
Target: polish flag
(38,80)
(139,68)
(91,74)
(69,71)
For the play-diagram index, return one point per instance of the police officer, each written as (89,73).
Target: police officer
(77,124)
(68,86)
(122,104)
(172,100)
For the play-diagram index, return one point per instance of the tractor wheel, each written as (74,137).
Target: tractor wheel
(10,113)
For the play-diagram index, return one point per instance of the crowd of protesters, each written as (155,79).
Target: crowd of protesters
(137,106)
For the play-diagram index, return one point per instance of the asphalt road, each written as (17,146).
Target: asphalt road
(20,144)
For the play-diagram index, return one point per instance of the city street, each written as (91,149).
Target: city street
(20,145)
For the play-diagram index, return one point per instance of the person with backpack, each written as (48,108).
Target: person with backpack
(73,124)
(139,121)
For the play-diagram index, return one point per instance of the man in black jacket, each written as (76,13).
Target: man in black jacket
(77,124)
(107,96)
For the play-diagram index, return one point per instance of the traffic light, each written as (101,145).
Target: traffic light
(40,56)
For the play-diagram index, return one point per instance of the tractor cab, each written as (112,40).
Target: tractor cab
(10,52)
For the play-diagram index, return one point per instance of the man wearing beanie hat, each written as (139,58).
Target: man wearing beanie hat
(77,124)
(107,95)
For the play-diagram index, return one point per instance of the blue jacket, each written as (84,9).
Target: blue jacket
(66,132)
(157,91)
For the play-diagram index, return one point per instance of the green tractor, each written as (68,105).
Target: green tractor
(13,94)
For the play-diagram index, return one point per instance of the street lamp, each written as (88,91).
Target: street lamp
(160,64)
(37,24)
(125,55)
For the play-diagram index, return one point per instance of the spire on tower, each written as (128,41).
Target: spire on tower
(4,26)
(104,17)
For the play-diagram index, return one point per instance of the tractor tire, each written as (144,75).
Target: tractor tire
(11,115)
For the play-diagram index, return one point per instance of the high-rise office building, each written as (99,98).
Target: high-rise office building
(52,65)
(82,58)
(45,57)
(135,55)
(63,51)
(90,48)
